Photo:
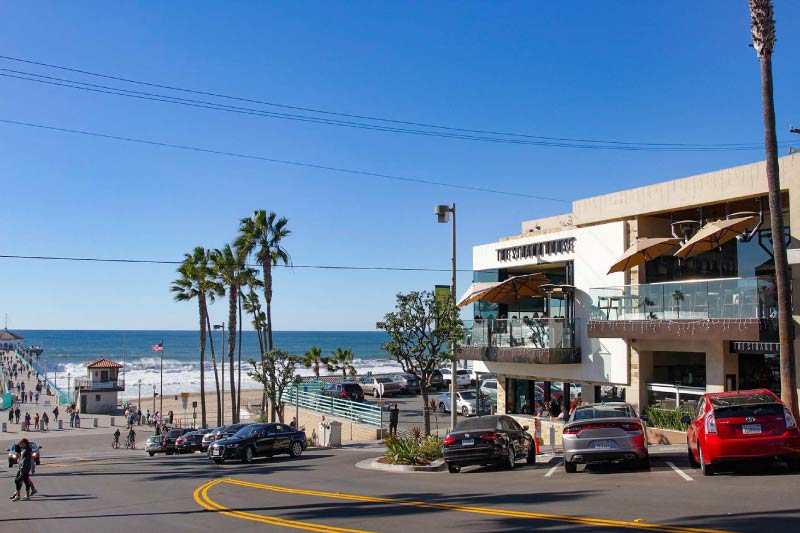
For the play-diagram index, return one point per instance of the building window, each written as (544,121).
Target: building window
(97,397)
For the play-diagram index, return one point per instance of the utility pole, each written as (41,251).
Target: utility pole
(792,129)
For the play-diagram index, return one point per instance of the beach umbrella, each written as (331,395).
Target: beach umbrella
(715,234)
(643,250)
(510,290)
(474,292)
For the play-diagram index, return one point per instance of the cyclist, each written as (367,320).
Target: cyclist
(131,438)
(116,438)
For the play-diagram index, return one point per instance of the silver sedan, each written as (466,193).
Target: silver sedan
(604,432)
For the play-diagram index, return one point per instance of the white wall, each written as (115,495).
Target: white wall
(106,405)
(596,248)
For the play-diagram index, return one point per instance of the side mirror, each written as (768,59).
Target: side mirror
(686,420)
(525,428)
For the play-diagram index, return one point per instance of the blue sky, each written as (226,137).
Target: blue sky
(639,71)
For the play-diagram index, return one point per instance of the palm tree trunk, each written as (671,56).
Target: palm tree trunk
(233,295)
(268,299)
(785,325)
(201,304)
(216,374)
(239,379)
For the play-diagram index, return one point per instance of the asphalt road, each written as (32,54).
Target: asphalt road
(86,486)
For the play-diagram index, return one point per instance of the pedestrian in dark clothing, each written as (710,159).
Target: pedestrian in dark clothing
(10,416)
(23,473)
(16,415)
(72,419)
(55,414)
(27,421)
(77,419)
(394,418)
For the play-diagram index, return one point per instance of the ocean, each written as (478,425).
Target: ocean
(66,351)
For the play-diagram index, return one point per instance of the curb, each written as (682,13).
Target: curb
(373,464)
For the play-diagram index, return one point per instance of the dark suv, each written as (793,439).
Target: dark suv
(172,435)
(259,439)
(436,381)
(344,391)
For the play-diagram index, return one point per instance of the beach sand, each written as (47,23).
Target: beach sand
(251,399)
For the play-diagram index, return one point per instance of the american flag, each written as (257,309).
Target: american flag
(158,347)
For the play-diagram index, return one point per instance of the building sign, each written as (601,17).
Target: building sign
(754,347)
(537,249)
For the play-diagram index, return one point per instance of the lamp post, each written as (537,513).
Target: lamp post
(222,327)
(442,213)
(297,380)
(154,398)
(69,384)
(139,405)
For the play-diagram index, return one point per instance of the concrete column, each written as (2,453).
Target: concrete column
(641,373)
(587,393)
(719,361)
(501,393)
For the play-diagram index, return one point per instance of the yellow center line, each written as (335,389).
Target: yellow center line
(201,497)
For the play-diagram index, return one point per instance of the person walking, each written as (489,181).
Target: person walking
(45,421)
(55,414)
(77,419)
(394,418)
(36,422)
(23,473)
(16,415)
(72,418)
(10,416)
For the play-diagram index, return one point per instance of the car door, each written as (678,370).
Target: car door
(513,433)
(266,439)
(693,431)
(283,438)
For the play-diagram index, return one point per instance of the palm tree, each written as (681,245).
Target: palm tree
(341,360)
(262,235)
(762,29)
(193,284)
(313,358)
(247,278)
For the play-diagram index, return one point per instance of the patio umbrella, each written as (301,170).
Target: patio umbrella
(714,234)
(474,292)
(644,250)
(510,290)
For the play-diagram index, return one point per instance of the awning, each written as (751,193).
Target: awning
(475,290)
(644,250)
(509,291)
(714,235)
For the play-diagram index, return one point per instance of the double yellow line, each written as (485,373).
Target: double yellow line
(202,498)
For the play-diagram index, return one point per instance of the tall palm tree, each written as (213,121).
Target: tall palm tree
(341,360)
(762,29)
(313,358)
(193,284)
(262,235)
(248,277)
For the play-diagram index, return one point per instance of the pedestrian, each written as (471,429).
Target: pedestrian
(77,419)
(16,415)
(27,421)
(36,398)
(55,414)
(36,422)
(293,423)
(25,461)
(10,416)
(394,418)
(71,418)
(45,421)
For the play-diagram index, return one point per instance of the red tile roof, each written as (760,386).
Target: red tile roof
(102,363)
(6,335)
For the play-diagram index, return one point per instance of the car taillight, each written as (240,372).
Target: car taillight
(490,436)
(572,430)
(631,427)
(790,421)
(711,423)
(448,440)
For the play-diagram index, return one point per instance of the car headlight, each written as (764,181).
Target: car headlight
(14,457)
(34,454)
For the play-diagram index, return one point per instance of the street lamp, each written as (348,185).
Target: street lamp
(297,380)
(139,405)
(442,213)
(222,327)
(154,398)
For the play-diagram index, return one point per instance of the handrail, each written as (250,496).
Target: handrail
(360,412)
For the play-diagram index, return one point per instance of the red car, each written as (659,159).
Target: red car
(741,425)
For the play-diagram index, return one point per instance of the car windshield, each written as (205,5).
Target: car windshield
(490,385)
(478,423)
(463,372)
(246,431)
(383,380)
(468,395)
(154,439)
(600,412)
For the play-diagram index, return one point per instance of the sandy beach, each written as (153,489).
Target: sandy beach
(251,398)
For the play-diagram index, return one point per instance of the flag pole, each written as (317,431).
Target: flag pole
(161,400)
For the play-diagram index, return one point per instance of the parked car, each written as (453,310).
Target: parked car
(436,381)
(224,432)
(345,391)
(208,438)
(13,453)
(604,432)
(408,383)
(171,437)
(466,402)
(259,440)
(462,377)
(379,386)
(190,442)
(489,389)
(488,440)
(741,425)
(155,444)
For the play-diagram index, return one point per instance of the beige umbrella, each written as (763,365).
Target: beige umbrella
(510,290)
(715,234)
(475,290)
(644,250)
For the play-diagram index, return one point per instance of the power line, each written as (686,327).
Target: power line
(563,142)
(280,161)
(163,262)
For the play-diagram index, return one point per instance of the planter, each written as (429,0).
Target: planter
(665,436)
(374,464)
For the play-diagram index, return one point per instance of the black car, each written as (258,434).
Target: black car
(259,439)
(13,453)
(170,437)
(191,442)
(488,440)
(436,381)
(344,391)
(223,433)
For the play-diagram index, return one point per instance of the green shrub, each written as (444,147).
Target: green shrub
(668,418)
(431,447)
(412,449)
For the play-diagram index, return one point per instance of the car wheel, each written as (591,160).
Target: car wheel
(531,457)
(465,411)
(151,453)
(453,469)
(442,407)
(644,464)
(219,460)
(297,449)
(708,470)
(512,459)
(570,467)
(247,456)
(692,461)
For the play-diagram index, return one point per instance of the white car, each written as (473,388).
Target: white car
(463,378)
(465,402)
(489,389)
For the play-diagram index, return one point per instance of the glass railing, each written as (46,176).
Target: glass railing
(543,333)
(686,300)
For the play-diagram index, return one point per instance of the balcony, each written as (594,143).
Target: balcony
(543,341)
(89,385)
(732,308)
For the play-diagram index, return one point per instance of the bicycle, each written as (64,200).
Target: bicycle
(130,443)
(115,443)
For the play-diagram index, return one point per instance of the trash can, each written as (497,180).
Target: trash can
(324,434)
(60,424)
(112,421)
(335,435)
(94,424)
(4,427)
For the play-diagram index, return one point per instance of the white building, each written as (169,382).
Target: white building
(97,392)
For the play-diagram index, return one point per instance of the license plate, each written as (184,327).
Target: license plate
(601,444)
(215,451)
(751,429)
(468,442)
